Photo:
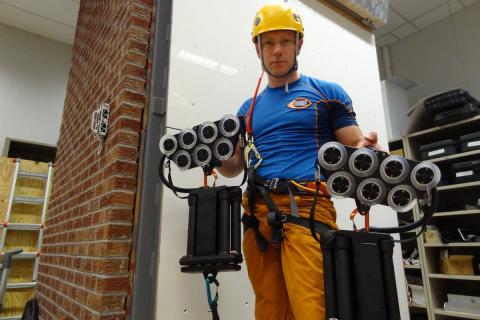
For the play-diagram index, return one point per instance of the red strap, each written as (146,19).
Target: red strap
(250,111)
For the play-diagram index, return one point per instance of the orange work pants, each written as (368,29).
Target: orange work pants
(288,280)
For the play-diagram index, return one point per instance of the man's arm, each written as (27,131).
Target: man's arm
(234,166)
(350,136)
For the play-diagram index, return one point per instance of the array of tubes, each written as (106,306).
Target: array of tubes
(199,146)
(375,177)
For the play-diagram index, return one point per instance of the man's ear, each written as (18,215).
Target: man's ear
(300,43)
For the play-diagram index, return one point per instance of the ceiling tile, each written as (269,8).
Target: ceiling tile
(394,21)
(385,40)
(468,2)
(404,31)
(64,12)
(35,24)
(411,9)
(438,14)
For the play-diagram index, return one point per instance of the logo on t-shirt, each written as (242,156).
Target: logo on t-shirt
(300,103)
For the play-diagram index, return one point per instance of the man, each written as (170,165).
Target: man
(289,120)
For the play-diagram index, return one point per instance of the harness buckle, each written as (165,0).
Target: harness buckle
(272,186)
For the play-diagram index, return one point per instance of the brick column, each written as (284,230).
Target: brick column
(84,265)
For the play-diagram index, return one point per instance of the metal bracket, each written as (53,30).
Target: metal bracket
(99,125)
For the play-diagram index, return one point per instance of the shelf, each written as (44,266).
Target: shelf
(455,125)
(453,277)
(417,305)
(456,213)
(458,314)
(33,175)
(28,200)
(22,226)
(23,255)
(21,285)
(459,186)
(411,267)
(415,286)
(452,245)
(456,156)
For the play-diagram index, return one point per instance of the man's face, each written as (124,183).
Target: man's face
(278,50)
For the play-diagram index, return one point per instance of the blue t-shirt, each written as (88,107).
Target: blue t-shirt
(289,128)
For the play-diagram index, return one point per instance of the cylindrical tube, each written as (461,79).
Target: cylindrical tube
(390,288)
(371,191)
(346,308)
(332,155)
(223,222)
(341,184)
(236,196)
(402,198)
(183,160)
(394,169)
(229,125)
(168,145)
(327,240)
(202,155)
(187,139)
(207,132)
(425,176)
(192,218)
(223,149)
(363,162)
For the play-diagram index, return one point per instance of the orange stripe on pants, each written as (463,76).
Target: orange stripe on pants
(288,280)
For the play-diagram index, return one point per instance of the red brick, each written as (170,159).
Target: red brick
(88,234)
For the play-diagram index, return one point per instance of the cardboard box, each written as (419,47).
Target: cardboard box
(456,264)
(432,235)
(462,303)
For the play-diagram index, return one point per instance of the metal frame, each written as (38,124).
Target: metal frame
(149,216)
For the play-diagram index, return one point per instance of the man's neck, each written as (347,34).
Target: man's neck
(274,82)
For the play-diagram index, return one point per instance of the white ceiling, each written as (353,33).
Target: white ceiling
(53,19)
(406,17)
(56,19)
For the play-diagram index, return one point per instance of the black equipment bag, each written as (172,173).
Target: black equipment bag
(449,100)
(466,171)
(469,142)
(359,276)
(214,234)
(456,114)
(438,149)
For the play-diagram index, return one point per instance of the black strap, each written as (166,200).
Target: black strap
(311,217)
(262,243)
(275,217)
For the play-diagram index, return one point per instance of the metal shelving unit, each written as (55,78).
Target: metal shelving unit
(435,283)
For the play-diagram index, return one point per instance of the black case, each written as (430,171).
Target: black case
(359,277)
(438,149)
(449,100)
(466,171)
(469,142)
(448,116)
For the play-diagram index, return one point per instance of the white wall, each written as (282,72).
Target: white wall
(395,100)
(33,80)
(442,56)
(213,69)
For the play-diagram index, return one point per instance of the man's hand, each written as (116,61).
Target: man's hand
(370,140)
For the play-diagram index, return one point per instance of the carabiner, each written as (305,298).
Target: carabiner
(252,148)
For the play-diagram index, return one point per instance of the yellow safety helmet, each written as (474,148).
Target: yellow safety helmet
(277,16)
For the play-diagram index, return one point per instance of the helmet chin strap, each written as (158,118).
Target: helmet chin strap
(286,74)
